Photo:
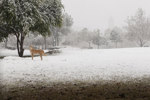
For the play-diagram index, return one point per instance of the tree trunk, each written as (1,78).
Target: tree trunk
(20,45)
(57,38)
(57,41)
(6,40)
(53,40)
(141,43)
(45,42)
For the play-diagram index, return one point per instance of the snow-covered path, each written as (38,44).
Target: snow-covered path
(77,64)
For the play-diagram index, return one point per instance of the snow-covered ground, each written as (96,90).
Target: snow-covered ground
(74,64)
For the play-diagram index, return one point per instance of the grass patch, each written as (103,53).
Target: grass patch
(110,90)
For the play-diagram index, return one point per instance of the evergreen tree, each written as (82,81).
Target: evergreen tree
(115,37)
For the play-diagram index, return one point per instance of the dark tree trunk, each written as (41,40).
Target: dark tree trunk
(141,43)
(20,41)
(6,40)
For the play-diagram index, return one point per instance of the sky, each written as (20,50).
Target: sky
(101,14)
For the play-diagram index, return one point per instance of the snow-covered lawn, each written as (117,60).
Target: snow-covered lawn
(74,64)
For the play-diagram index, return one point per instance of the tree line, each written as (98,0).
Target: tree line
(136,32)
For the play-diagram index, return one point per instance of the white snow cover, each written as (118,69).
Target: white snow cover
(75,64)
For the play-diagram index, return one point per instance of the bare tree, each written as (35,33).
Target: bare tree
(138,28)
